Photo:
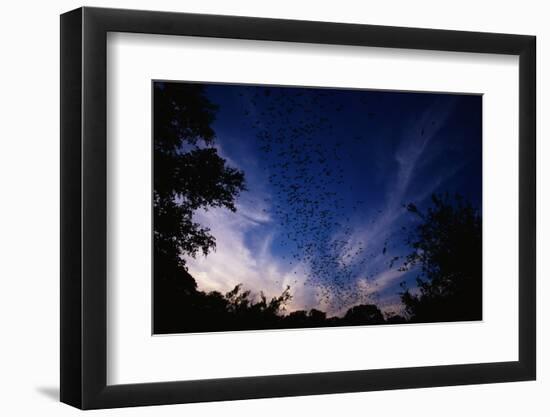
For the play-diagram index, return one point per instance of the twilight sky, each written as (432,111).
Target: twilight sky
(328,172)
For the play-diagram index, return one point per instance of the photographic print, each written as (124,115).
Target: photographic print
(283,207)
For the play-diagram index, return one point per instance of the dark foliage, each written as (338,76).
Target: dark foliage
(364,314)
(240,310)
(447,247)
(188,175)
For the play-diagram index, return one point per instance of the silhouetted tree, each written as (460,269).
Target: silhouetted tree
(188,175)
(296,318)
(394,318)
(317,317)
(364,314)
(447,247)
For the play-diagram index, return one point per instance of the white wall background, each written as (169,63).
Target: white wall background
(29,225)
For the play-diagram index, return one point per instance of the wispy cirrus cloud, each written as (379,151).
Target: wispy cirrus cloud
(372,236)
(238,261)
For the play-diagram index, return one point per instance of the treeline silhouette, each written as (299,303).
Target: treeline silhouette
(240,310)
(189,174)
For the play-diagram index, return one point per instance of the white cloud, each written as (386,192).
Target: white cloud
(409,156)
(234,262)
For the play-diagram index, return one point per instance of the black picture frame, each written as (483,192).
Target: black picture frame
(84,197)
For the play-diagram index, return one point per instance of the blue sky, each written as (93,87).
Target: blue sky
(328,172)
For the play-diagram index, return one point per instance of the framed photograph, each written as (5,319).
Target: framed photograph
(258,208)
